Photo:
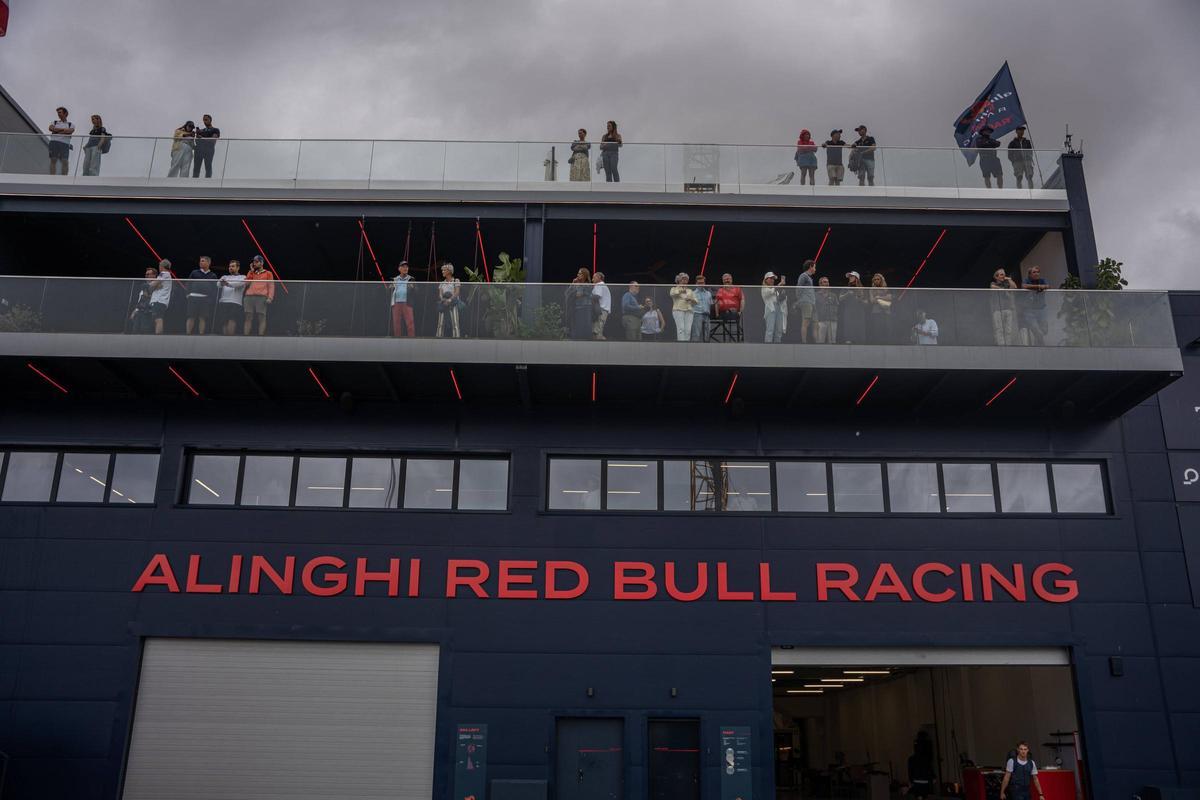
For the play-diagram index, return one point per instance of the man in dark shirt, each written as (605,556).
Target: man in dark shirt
(862,157)
(202,296)
(206,145)
(1032,310)
(1020,155)
(989,162)
(833,157)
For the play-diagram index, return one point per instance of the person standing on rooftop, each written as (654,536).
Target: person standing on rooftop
(862,157)
(610,144)
(833,146)
(1020,155)
(97,144)
(206,145)
(182,146)
(989,162)
(806,158)
(580,160)
(60,140)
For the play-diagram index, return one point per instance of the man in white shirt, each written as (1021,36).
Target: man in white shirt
(926,329)
(160,298)
(229,299)
(601,305)
(1021,773)
(60,140)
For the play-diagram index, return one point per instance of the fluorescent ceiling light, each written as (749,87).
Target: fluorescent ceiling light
(206,487)
(867,671)
(803,691)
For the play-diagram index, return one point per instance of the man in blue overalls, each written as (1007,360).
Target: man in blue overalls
(1021,772)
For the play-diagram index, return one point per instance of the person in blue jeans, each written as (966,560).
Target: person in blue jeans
(1020,775)
(610,144)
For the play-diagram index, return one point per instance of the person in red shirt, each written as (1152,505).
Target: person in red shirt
(260,293)
(730,301)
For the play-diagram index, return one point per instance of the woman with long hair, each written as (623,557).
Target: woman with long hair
(610,143)
(853,324)
(579,305)
(879,311)
(806,158)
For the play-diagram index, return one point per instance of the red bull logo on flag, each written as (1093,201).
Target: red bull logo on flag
(998,107)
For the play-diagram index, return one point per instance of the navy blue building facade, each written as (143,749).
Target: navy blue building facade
(71,628)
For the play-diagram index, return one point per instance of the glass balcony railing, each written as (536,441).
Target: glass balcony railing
(528,166)
(963,317)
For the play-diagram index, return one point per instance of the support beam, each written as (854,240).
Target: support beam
(1080,238)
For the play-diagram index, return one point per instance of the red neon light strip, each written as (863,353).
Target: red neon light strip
(927,255)
(47,378)
(183,380)
(320,385)
(482,254)
(1002,391)
(732,384)
(593,386)
(593,248)
(867,391)
(157,257)
(824,239)
(263,253)
(457,390)
(704,263)
(371,250)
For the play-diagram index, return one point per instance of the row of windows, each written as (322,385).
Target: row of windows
(910,487)
(474,484)
(50,476)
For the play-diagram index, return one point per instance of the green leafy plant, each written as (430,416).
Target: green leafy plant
(547,323)
(310,327)
(499,302)
(1090,319)
(20,319)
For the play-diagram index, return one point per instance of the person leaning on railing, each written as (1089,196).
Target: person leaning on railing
(702,313)
(98,143)
(1033,308)
(631,313)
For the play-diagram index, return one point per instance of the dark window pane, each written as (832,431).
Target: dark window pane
(428,483)
(913,488)
(83,478)
(857,487)
(30,477)
(320,482)
(747,486)
(214,480)
(575,483)
(374,482)
(268,481)
(1079,489)
(1023,488)
(135,476)
(632,485)
(801,486)
(483,484)
(968,487)
(679,487)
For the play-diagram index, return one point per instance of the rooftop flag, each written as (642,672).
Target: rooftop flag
(997,106)
(3,17)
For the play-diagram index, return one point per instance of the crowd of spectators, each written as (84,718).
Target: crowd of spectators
(813,311)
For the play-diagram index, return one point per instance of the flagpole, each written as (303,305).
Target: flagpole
(1028,130)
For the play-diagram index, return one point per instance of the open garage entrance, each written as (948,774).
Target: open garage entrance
(884,723)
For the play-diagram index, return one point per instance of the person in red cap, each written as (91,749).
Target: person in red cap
(806,158)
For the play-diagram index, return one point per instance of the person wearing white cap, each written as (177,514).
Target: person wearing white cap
(774,308)
(683,306)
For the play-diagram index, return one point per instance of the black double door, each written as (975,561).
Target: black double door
(673,760)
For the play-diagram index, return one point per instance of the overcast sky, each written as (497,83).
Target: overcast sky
(1122,74)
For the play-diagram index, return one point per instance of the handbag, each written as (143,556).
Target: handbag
(571,160)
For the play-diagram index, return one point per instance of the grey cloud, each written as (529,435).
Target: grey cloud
(1121,74)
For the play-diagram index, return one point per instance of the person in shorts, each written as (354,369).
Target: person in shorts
(230,288)
(202,296)
(862,157)
(260,293)
(160,296)
(989,162)
(60,141)
(833,146)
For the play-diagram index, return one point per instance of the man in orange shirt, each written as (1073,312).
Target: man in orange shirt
(260,293)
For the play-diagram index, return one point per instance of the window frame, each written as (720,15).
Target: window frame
(59,451)
(402,457)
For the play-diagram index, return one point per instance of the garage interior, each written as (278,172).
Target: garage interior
(920,724)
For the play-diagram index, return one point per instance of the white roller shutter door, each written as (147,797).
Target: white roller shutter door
(258,719)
